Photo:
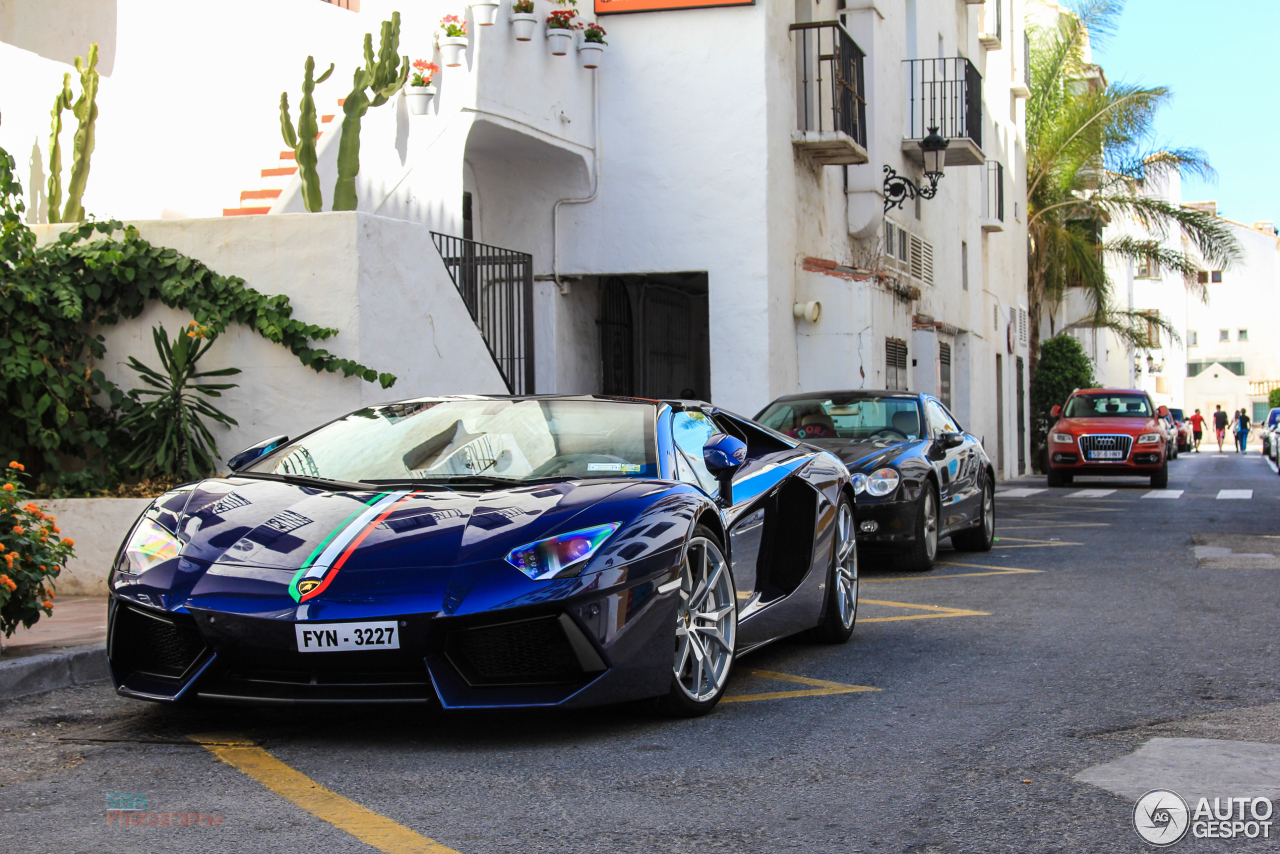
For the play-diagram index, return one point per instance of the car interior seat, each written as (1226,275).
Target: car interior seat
(907,422)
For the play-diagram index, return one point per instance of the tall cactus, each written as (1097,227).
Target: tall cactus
(303,142)
(381,77)
(60,103)
(85,110)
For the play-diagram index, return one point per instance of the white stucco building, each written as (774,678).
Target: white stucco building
(665,223)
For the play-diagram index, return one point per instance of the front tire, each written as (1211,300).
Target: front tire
(841,609)
(920,555)
(980,537)
(706,630)
(1161,480)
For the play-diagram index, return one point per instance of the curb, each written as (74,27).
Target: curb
(48,671)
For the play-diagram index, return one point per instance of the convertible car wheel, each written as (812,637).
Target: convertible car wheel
(980,537)
(706,629)
(919,556)
(841,610)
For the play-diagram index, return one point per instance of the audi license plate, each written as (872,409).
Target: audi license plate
(1106,455)
(346,637)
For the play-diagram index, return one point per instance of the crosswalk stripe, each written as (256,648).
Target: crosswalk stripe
(1018,493)
(1235,493)
(1164,493)
(1091,493)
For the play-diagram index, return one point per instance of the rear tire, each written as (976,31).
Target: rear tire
(980,537)
(1056,480)
(706,630)
(1161,480)
(920,555)
(841,609)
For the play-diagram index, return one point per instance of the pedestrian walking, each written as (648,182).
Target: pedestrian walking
(1219,424)
(1197,429)
(1242,432)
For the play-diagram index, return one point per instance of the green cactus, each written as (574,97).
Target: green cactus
(381,77)
(62,102)
(303,142)
(85,110)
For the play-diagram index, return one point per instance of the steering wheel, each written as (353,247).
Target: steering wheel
(888,430)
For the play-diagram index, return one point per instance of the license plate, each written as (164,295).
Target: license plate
(1106,455)
(346,637)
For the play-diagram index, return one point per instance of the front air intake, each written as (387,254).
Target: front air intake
(154,644)
(526,652)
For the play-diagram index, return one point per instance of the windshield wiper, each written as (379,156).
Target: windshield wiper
(487,479)
(302,480)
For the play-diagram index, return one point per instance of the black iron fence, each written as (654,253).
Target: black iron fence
(497,286)
(993,200)
(946,94)
(830,86)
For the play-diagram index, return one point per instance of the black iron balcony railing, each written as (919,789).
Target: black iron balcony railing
(830,85)
(947,94)
(497,286)
(993,201)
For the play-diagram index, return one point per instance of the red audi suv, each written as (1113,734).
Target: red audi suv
(1108,432)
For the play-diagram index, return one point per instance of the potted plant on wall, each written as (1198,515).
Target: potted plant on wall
(591,50)
(452,38)
(485,12)
(523,20)
(421,88)
(560,28)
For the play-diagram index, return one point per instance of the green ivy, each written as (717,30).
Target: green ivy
(54,297)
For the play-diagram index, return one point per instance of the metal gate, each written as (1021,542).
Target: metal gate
(617,340)
(1022,418)
(497,286)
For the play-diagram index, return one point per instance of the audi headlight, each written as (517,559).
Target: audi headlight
(1063,438)
(148,545)
(859,483)
(1148,438)
(560,555)
(883,482)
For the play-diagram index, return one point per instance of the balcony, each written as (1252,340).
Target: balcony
(946,94)
(993,196)
(831,107)
(991,25)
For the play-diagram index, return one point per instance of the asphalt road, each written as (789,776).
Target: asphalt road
(1091,627)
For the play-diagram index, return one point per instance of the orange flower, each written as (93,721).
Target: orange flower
(1,547)
(68,541)
(16,465)
(31,508)
(50,592)
(17,529)
(48,606)
(55,530)
(8,487)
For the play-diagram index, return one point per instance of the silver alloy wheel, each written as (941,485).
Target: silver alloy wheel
(846,566)
(988,511)
(930,525)
(706,621)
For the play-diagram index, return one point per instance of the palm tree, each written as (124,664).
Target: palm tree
(1089,153)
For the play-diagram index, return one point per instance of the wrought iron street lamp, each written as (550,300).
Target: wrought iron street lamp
(898,188)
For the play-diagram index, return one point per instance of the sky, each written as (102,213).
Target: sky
(1221,59)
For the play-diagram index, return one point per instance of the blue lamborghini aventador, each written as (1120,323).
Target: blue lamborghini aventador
(487,552)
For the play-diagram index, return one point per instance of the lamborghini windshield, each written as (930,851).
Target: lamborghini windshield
(858,417)
(459,439)
(1103,405)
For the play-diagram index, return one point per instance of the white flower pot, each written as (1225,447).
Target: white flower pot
(591,54)
(419,98)
(523,24)
(485,12)
(560,41)
(451,50)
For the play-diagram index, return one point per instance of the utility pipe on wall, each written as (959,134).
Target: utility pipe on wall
(595,187)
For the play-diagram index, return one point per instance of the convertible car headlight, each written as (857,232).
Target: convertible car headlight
(149,544)
(859,483)
(1148,438)
(551,557)
(1063,438)
(883,481)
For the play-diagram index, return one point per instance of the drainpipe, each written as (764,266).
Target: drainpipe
(595,189)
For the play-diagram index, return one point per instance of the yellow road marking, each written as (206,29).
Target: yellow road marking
(364,824)
(1037,545)
(998,570)
(940,612)
(1046,542)
(1056,525)
(824,688)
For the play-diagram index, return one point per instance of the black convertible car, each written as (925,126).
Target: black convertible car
(486,552)
(918,475)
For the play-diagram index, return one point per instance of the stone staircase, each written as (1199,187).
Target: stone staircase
(274,180)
